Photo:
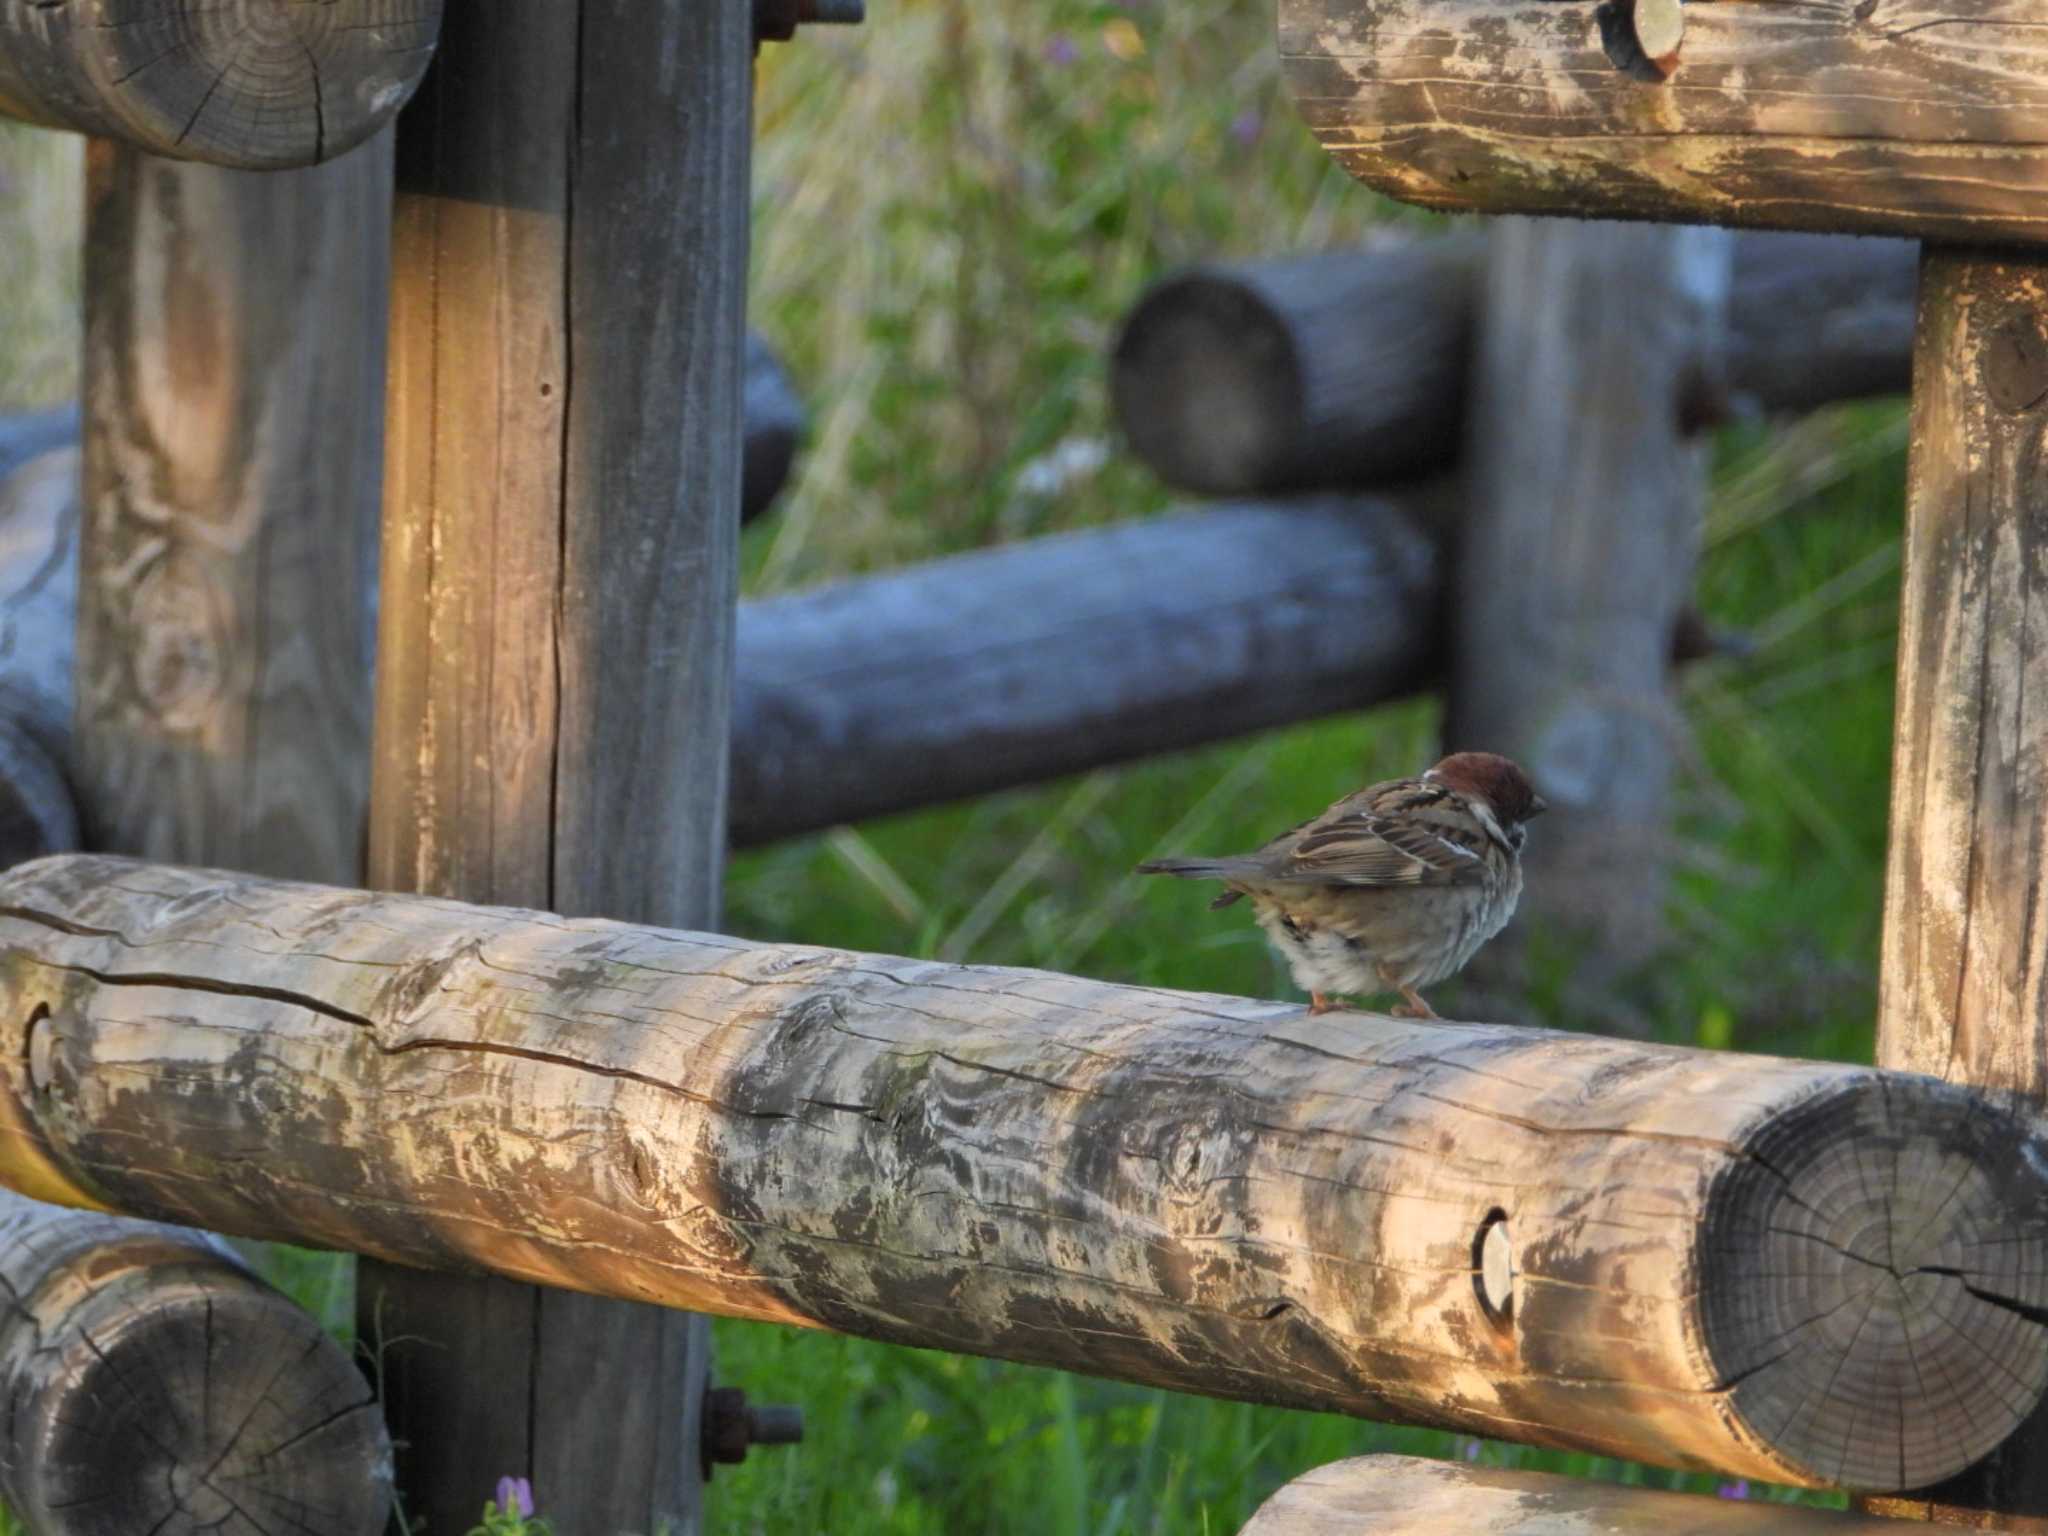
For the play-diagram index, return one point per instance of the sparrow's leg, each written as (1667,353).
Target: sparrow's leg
(1319,1002)
(1414,1006)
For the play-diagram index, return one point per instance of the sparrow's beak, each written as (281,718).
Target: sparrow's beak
(1538,805)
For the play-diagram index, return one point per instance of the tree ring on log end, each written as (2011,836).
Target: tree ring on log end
(202,1395)
(253,83)
(1865,1290)
(1208,384)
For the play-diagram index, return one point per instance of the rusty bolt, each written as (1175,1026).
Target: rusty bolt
(776,21)
(732,1425)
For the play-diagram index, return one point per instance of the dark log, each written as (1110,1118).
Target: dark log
(259,84)
(1009,666)
(560,563)
(1805,1272)
(1900,117)
(38,626)
(1576,557)
(1349,369)
(149,1382)
(773,417)
(1406,1496)
(1963,991)
(234,365)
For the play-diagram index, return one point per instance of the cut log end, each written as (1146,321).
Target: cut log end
(260,85)
(1869,1297)
(1207,384)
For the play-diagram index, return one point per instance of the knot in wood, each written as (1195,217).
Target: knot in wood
(1872,1269)
(2016,364)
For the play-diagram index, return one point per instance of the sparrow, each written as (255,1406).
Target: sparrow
(1392,888)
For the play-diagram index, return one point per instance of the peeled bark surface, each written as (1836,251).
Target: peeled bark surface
(1809,1273)
(1349,368)
(1963,991)
(149,1382)
(1897,117)
(1406,1496)
(253,84)
(985,671)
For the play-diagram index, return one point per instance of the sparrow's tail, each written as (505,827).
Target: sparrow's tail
(1203,869)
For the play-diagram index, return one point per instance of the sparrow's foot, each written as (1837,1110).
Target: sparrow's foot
(1414,1005)
(1320,1002)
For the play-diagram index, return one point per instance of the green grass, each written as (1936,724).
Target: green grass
(955,206)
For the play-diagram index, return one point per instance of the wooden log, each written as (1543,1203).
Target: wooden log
(560,562)
(1901,117)
(1407,1496)
(1803,1272)
(773,419)
(1349,369)
(151,1383)
(38,622)
(1008,666)
(234,368)
(1964,985)
(1576,556)
(259,84)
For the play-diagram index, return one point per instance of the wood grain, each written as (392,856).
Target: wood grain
(560,564)
(1964,984)
(1350,369)
(149,1382)
(253,84)
(1809,1273)
(1576,555)
(1009,666)
(1406,1496)
(233,373)
(1913,117)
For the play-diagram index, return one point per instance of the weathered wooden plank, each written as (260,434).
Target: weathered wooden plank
(1810,1273)
(1576,554)
(1914,117)
(234,366)
(1406,1496)
(260,84)
(1009,666)
(38,626)
(563,502)
(1349,368)
(1964,988)
(149,1382)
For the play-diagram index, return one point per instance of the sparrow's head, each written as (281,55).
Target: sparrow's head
(1496,780)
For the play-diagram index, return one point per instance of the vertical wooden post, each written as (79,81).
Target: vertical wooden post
(234,364)
(1964,988)
(1578,547)
(556,639)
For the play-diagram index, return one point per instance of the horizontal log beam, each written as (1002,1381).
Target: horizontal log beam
(1347,369)
(1010,666)
(1906,117)
(149,1382)
(1809,1273)
(259,84)
(1406,1496)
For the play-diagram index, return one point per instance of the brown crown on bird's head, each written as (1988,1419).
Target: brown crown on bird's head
(1496,780)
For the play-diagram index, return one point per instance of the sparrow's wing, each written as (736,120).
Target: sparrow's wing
(1405,833)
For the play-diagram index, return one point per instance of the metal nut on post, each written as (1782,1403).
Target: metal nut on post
(776,21)
(732,1425)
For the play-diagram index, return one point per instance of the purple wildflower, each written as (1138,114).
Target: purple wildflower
(1060,50)
(1471,1450)
(1245,126)
(1739,1489)
(515,1495)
